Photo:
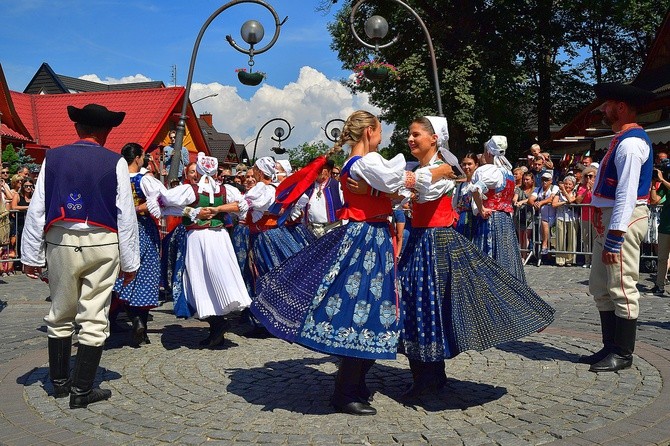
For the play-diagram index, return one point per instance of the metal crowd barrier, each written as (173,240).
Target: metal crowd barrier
(527,221)
(11,249)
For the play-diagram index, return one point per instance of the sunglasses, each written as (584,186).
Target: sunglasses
(28,186)
(546,179)
(4,171)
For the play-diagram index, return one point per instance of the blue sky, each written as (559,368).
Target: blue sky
(114,40)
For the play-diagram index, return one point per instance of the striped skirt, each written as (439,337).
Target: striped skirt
(496,237)
(455,298)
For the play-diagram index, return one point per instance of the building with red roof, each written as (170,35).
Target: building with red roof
(40,121)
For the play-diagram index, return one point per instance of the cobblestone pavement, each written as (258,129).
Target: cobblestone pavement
(265,391)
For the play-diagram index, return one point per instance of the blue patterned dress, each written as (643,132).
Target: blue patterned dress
(143,290)
(454,297)
(339,295)
(466,218)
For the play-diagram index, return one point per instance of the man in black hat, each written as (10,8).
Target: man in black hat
(81,222)
(620,220)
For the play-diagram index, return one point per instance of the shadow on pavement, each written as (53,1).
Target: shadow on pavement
(175,336)
(663,325)
(538,351)
(298,386)
(41,375)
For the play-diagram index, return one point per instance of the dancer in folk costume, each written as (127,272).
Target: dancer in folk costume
(270,242)
(492,189)
(338,295)
(211,284)
(141,294)
(455,297)
(462,200)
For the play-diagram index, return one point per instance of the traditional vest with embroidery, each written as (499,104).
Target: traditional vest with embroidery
(267,221)
(331,193)
(463,199)
(138,193)
(80,185)
(362,207)
(608,180)
(218,221)
(500,199)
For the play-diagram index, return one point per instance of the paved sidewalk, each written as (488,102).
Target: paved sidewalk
(265,391)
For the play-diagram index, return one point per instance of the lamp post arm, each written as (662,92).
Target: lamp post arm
(253,158)
(431,49)
(181,124)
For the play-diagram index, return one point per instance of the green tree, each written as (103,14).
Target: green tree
(301,155)
(10,157)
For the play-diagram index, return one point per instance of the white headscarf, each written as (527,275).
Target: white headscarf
(497,146)
(207,166)
(441,129)
(286,165)
(267,165)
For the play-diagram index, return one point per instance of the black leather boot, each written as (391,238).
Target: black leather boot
(423,379)
(60,350)
(363,390)
(347,398)
(144,316)
(607,327)
(82,392)
(139,326)
(218,327)
(622,356)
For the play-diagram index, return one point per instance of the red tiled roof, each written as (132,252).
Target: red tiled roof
(6,131)
(147,112)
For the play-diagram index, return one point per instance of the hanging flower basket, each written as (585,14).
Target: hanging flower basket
(376,73)
(375,70)
(251,78)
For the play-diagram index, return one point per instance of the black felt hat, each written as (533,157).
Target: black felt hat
(95,115)
(624,93)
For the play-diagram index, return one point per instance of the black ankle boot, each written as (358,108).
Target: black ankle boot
(82,392)
(219,326)
(60,350)
(347,398)
(363,390)
(422,379)
(144,315)
(139,326)
(622,355)
(607,327)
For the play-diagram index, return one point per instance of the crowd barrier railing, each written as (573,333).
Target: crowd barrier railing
(571,234)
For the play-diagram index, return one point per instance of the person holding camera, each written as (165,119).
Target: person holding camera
(656,196)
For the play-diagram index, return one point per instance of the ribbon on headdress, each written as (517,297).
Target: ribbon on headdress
(497,146)
(441,129)
(207,166)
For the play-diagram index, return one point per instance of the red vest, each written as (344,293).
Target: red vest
(266,222)
(363,207)
(434,214)
(502,200)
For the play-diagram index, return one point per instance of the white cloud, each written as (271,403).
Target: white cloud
(307,104)
(110,80)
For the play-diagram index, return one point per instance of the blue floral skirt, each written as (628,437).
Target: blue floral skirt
(466,224)
(143,290)
(455,298)
(496,237)
(338,296)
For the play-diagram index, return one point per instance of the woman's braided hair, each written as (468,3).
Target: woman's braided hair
(353,129)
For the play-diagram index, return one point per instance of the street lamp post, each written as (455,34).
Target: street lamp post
(279,136)
(252,33)
(205,97)
(335,132)
(376,28)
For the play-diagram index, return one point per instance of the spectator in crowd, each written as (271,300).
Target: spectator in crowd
(167,156)
(658,195)
(541,200)
(548,163)
(524,220)
(5,187)
(20,203)
(336,173)
(583,197)
(537,169)
(566,222)
(518,175)
(23,171)
(586,161)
